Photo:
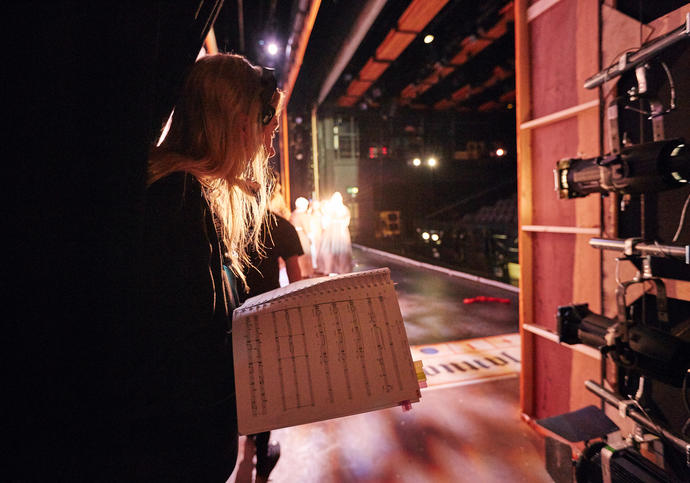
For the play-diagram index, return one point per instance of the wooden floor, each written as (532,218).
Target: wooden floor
(465,433)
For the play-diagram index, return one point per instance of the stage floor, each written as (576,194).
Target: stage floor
(467,426)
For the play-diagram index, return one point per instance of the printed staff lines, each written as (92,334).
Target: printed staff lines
(360,346)
(330,301)
(342,355)
(255,366)
(378,337)
(292,361)
(329,328)
(391,345)
(304,355)
(323,347)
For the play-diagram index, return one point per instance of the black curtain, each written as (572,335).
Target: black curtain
(89,86)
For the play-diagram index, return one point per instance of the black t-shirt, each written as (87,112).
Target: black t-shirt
(283,242)
(180,390)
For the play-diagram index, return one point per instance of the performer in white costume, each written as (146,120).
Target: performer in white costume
(315,231)
(300,220)
(335,250)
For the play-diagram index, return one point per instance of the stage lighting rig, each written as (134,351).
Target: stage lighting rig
(642,168)
(645,347)
(648,341)
(637,163)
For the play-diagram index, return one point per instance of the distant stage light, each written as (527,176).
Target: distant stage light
(417,162)
(431,162)
(425,235)
(434,236)
(500,152)
(272,48)
(428,39)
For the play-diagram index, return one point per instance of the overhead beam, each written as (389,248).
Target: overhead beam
(293,72)
(360,28)
(412,21)
(469,48)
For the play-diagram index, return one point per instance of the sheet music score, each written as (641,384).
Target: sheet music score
(319,349)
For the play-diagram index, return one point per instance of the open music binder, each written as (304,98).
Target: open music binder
(319,349)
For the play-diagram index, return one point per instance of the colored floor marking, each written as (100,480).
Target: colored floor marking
(469,361)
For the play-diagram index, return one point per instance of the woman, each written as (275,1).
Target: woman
(206,199)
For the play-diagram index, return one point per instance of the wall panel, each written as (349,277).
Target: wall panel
(553,63)
(553,364)
(549,144)
(557,49)
(552,271)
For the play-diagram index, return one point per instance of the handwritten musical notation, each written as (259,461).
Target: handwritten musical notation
(319,349)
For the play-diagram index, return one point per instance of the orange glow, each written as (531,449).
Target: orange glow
(284,157)
(372,70)
(498,75)
(443,105)
(295,65)
(489,106)
(508,96)
(358,87)
(470,46)
(210,42)
(347,101)
(413,20)
(394,44)
(296,61)
(413,90)
(445,70)
(477,89)
(408,92)
(419,14)
(470,49)
(462,93)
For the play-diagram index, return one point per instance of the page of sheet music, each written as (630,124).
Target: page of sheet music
(319,349)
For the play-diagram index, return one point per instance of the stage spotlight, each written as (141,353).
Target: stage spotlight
(431,162)
(428,39)
(425,235)
(642,168)
(500,152)
(434,237)
(416,162)
(272,49)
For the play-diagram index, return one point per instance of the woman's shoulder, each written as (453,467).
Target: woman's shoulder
(177,182)
(175,192)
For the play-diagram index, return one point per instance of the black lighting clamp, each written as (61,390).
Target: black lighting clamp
(631,60)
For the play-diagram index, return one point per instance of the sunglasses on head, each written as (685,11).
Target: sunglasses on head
(268,88)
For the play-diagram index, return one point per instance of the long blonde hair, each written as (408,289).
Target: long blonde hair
(216,135)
